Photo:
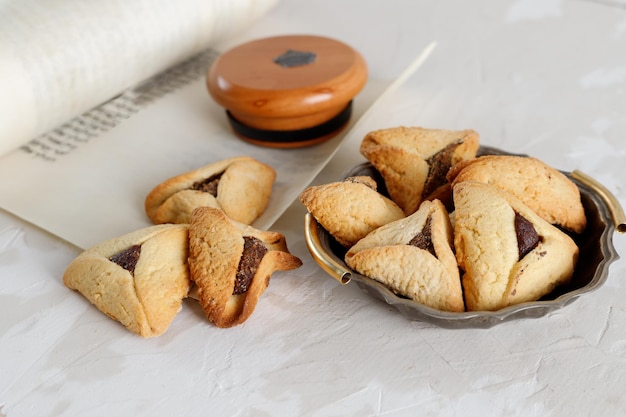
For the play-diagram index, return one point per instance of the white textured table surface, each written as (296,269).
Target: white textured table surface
(543,77)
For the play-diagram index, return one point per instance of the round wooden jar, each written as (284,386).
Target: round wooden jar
(287,91)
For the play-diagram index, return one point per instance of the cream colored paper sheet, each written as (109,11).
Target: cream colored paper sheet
(95,190)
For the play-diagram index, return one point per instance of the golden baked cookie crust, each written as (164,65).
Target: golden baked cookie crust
(147,299)
(414,161)
(542,188)
(425,272)
(487,249)
(350,209)
(243,190)
(216,250)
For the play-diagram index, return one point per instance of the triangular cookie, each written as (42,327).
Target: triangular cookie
(414,258)
(231,264)
(508,253)
(240,186)
(350,209)
(414,161)
(138,279)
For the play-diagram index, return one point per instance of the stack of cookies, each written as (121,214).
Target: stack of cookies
(200,246)
(452,230)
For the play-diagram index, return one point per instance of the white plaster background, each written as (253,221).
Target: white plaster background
(542,77)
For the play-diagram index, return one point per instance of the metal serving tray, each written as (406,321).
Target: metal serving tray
(605,216)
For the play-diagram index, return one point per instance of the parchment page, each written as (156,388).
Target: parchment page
(86,189)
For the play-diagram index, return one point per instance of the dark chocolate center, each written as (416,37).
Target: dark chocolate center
(253,252)
(439,165)
(423,239)
(127,258)
(527,237)
(208,185)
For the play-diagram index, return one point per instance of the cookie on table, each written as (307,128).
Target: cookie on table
(544,189)
(139,279)
(231,264)
(350,209)
(414,161)
(413,257)
(508,253)
(240,186)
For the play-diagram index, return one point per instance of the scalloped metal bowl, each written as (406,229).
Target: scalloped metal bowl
(604,215)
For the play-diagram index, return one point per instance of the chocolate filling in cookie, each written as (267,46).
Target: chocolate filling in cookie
(208,185)
(127,258)
(527,237)
(423,239)
(253,252)
(439,165)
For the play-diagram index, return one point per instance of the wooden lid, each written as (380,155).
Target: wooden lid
(287,91)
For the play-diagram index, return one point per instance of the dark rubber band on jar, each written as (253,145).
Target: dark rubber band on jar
(292,136)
